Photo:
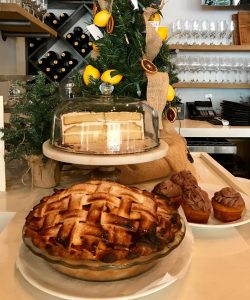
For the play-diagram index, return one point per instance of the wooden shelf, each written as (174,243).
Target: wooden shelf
(212,85)
(16,21)
(210,47)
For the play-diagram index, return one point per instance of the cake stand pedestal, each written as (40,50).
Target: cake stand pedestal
(107,162)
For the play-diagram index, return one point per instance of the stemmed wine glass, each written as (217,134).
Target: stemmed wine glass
(42,9)
(195,31)
(186,31)
(204,31)
(229,33)
(246,70)
(222,31)
(194,67)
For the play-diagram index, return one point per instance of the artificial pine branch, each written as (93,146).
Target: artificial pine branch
(115,52)
(31,118)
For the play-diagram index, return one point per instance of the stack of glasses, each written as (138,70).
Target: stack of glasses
(201,32)
(212,69)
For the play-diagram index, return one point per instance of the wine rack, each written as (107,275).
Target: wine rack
(58,57)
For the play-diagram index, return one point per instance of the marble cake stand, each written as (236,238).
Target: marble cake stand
(104,160)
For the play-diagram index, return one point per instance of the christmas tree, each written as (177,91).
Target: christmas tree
(31,118)
(130,53)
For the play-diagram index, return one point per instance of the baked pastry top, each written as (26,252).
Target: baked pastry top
(185,179)
(167,188)
(170,191)
(197,199)
(101,220)
(229,197)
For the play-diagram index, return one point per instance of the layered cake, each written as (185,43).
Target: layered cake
(105,125)
(79,128)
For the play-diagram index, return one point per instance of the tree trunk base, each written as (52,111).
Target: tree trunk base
(45,172)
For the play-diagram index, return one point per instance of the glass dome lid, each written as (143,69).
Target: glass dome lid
(105,125)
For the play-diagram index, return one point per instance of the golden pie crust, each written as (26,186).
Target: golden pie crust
(101,221)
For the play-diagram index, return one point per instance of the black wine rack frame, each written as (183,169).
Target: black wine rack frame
(80,8)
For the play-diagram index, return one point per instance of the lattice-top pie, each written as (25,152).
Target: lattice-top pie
(101,221)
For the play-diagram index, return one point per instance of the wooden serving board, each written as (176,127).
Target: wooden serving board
(209,171)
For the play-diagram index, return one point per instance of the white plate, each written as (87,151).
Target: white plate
(216,224)
(39,274)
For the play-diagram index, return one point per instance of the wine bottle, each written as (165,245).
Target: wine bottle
(56,23)
(77,45)
(57,63)
(43,63)
(65,55)
(84,38)
(64,70)
(57,77)
(90,45)
(78,31)
(52,20)
(70,37)
(51,55)
(32,46)
(84,51)
(63,17)
(50,16)
(71,63)
(49,71)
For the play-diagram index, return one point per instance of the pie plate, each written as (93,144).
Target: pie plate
(169,269)
(95,270)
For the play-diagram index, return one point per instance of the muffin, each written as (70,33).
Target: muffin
(185,179)
(228,205)
(196,205)
(170,191)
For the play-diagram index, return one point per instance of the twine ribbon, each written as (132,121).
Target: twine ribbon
(153,40)
(157,87)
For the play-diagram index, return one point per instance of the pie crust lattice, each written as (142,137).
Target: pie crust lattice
(101,220)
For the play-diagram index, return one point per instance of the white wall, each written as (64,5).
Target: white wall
(12,56)
(12,61)
(192,9)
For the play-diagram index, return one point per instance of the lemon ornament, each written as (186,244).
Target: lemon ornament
(90,71)
(156,17)
(108,78)
(101,18)
(171,93)
(163,33)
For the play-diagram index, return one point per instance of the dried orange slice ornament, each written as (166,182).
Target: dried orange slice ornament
(171,114)
(148,66)
(110,25)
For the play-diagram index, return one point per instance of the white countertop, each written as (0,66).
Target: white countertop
(193,128)
(220,267)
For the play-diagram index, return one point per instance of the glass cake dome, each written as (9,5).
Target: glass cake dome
(105,125)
